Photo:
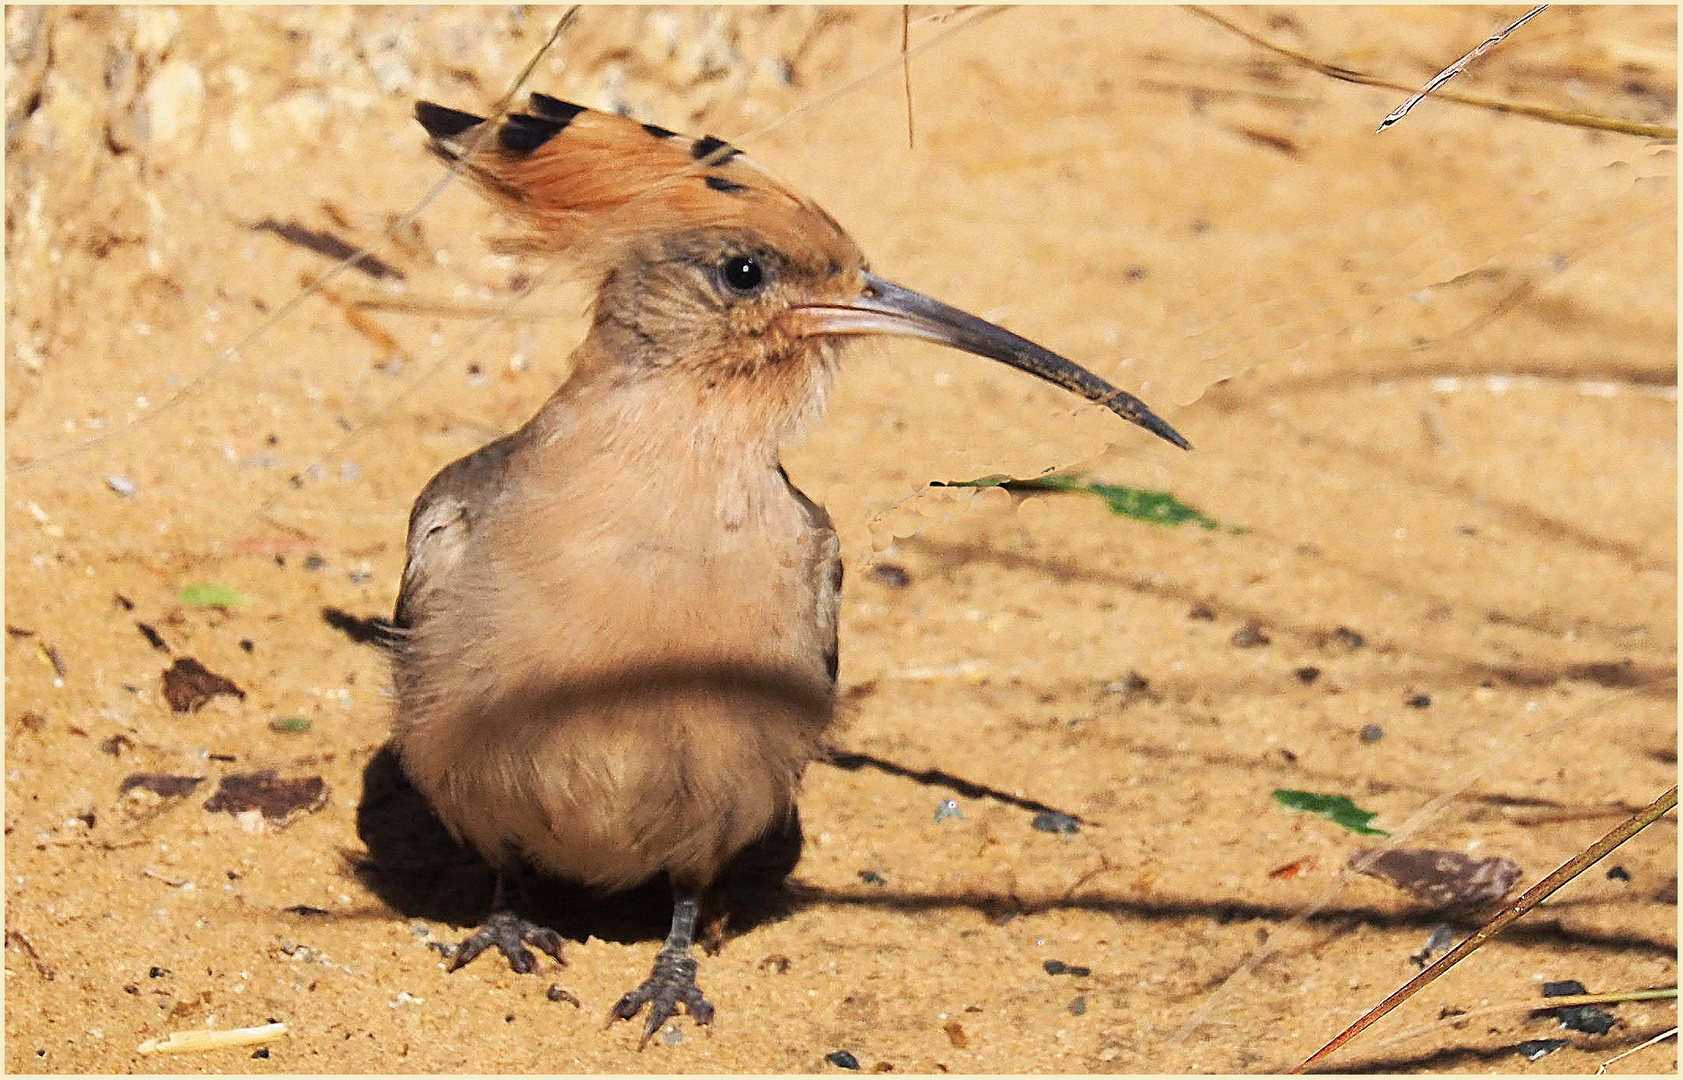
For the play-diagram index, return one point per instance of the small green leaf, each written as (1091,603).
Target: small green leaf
(1157,507)
(289,725)
(206,595)
(1336,807)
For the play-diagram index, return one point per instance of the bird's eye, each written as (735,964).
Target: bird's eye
(743,273)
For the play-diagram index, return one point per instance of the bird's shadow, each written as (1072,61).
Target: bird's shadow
(414,865)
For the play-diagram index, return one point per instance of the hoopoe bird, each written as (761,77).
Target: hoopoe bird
(618,623)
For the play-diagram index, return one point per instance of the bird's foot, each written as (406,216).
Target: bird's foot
(672,983)
(510,934)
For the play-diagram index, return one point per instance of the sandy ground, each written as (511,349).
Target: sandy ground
(1430,377)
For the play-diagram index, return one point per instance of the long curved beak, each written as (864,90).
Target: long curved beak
(886,308)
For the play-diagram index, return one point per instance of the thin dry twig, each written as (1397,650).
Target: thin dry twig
(1536,112)
(1527,900)
(1456,68)
(1662,1036)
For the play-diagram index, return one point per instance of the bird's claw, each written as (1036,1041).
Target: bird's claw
(510,934)
(672,983)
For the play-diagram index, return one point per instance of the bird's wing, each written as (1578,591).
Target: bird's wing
(442,522)
(824,571)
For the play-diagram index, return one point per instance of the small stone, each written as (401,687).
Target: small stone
(1249,636)
(1618,873)
(842,1059)
(174,103)
(871,877)
(1055,821)
(122,485)
(948,810)
(1058,967)
(1586,1018)
(1537,1049)
(1078,1006)
(1372,733)
(1420,701)
(893,575)
(1563,988)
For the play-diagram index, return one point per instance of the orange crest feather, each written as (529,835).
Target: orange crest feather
(588,182)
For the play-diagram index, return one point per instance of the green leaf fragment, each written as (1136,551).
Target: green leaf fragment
(1337,807)
(1157,507)
(289,725)
(206,595)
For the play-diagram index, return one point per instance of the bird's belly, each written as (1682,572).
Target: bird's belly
(647,708)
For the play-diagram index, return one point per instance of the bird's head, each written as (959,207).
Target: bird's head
(707,264)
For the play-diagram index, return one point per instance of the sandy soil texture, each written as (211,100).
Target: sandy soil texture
(1430,378)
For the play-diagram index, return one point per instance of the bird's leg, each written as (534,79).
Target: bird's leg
(673,980)
(509,932)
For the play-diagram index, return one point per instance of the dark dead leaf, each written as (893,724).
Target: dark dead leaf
(277,799)
(1444,878)
(165,784)
(188,684)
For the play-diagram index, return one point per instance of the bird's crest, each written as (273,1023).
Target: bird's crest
(582,181)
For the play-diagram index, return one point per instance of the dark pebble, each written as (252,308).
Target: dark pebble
(1372,733)
(1536,1049)
(1420,701)
(1618,873)
(1078,1006)
(842,1059)
(871,877)
(1563,988)
(1347,639)
(1307,675)
(893,575)
(1058,967)
(1055,821)
(1249,636)
(260,1052)
(156,972)
(314,562)
(1585,1018)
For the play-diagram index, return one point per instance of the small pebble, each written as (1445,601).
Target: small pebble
(1307,675)
(1618,873)
(122,485)
(1372,733)
(1537,1049)
(1563,988)
(673,1035)
(1346,639)
(314,562)
(1420,701)
(947,810)
(871,877)
(1058,967)
(1078,1006)
(890,574)
(842,1059)
(1585,1018)
(260,1052)
(1249,636)
(1055,821)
